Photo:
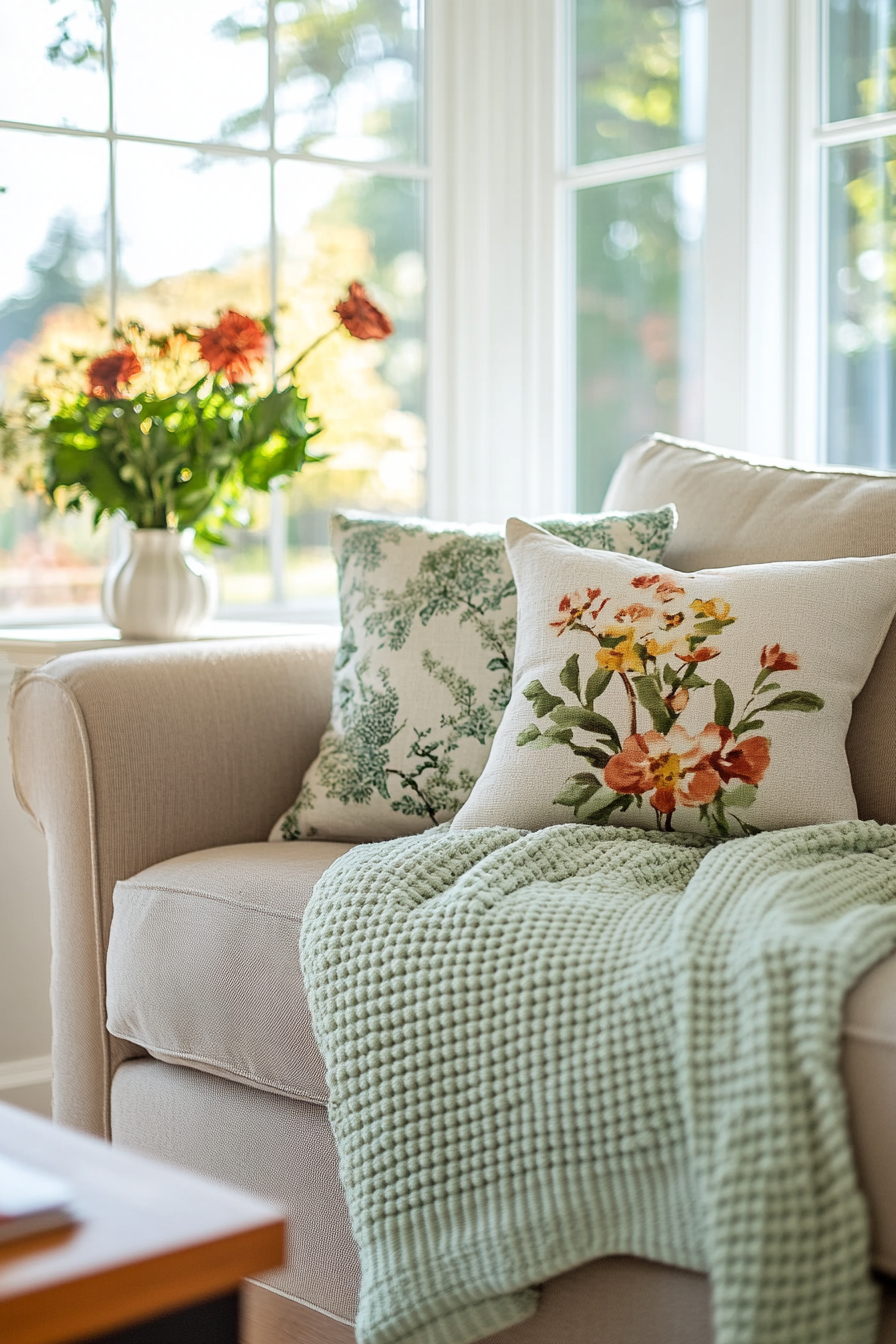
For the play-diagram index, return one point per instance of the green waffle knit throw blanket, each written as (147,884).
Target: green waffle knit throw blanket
(586,1041)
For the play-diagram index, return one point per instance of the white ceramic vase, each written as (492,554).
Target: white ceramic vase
(159,589)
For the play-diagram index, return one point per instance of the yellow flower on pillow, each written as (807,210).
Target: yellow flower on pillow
(624,656)
(714,609)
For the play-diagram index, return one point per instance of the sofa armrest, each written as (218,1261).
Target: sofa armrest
(126,757)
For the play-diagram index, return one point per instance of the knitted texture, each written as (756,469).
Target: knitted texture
(546,1047)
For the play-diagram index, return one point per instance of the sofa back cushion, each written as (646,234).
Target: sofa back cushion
(735,510)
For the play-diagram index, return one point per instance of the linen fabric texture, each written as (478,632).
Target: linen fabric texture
(716,702)
(423,673)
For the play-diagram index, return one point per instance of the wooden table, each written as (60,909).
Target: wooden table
(157,1255)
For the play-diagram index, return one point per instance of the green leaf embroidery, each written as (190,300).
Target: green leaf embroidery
(542,701)
(804,701)
(743,795)
(649,695)
(713,626)
(596,685)
(748,726)
(577,790)
(571,716)
(724,703)
(593,755)
(569,677)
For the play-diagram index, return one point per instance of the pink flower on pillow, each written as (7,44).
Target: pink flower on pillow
(674,768)
(573,608)
(747,760)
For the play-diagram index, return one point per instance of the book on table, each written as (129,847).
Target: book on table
(31,1200)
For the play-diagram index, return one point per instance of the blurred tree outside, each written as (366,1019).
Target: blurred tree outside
(370,396)
(639,89)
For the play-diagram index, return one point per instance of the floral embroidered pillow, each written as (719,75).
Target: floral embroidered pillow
(423,672)
(715,703)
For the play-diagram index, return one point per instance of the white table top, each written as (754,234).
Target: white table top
(30,646)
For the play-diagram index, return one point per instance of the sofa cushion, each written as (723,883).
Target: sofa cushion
(424,668)
(715,702)
(203,964)
(203,970)
(734,510)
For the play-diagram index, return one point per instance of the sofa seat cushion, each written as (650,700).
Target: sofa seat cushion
(203,964)
(203,970)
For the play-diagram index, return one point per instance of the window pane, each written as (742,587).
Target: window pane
(337,226)
(51,63)
(349,78)
(640,76)
(639,322)
(861,328)
(193,239)
(861,58)
(52,291)
(193,72)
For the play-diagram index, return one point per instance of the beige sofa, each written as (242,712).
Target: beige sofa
(161,769)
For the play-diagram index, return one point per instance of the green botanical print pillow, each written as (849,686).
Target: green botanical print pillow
(715,702)
(423,673)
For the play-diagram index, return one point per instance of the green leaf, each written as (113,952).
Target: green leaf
(670,677)
(577,790)
(569,677)
(724,703)
(621,803)
(803,701)
(713,626)
(542,701)
(748,726)
(594,755)
(553,737)
(556,735)
(571,716)
(742,795)
(497,665)
(602,804)
(596,685)
(649,696)
(692,679)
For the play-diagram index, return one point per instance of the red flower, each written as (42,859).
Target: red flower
(676,767)
(111,372)
(360,317)
(573,608)
(233,346)
(666,589)
(701,654)
(747,760)
(774,659)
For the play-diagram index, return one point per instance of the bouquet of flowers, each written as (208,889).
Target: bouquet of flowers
(170,429)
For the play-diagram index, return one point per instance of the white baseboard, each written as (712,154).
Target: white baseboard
(25,1072)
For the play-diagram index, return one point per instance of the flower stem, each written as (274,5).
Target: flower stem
(307,351)
(632,703)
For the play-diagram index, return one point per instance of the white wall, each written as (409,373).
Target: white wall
(24,944)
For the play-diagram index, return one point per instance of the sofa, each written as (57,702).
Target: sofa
(156,773)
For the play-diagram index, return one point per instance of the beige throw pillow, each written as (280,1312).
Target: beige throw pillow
(716,702)
(424,669)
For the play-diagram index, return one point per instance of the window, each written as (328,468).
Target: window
(637,183)
(164,161)
(857,98)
